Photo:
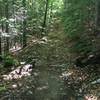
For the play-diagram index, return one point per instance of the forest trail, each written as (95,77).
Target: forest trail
(50,79)
(45,83)
(49,85)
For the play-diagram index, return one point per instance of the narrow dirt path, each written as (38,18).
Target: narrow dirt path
(49,85)
(45,82)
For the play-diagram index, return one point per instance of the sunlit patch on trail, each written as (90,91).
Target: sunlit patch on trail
(42,88)
(66,74)
(18,73)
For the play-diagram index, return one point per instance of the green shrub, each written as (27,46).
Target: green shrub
(2,88)
(10,61)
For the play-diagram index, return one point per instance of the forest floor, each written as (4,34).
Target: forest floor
(52,78)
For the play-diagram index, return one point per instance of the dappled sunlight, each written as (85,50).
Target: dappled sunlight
(18,73)
(66,75)
(43,40)
(15,48)
(42,88)
(90,97)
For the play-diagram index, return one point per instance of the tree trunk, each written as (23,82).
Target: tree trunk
(24,34)
(51,9)
(7,26)
(0,45)
(98,16)
(45,17)
(0,27)
(24,26)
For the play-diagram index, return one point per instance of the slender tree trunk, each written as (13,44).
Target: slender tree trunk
(51,9)
(24,34)
(7,25)
(0,45)
(13,7)
(0,28)
(24,26)
(45,17)
(98,16)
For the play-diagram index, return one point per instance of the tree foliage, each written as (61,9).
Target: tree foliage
(79,21)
